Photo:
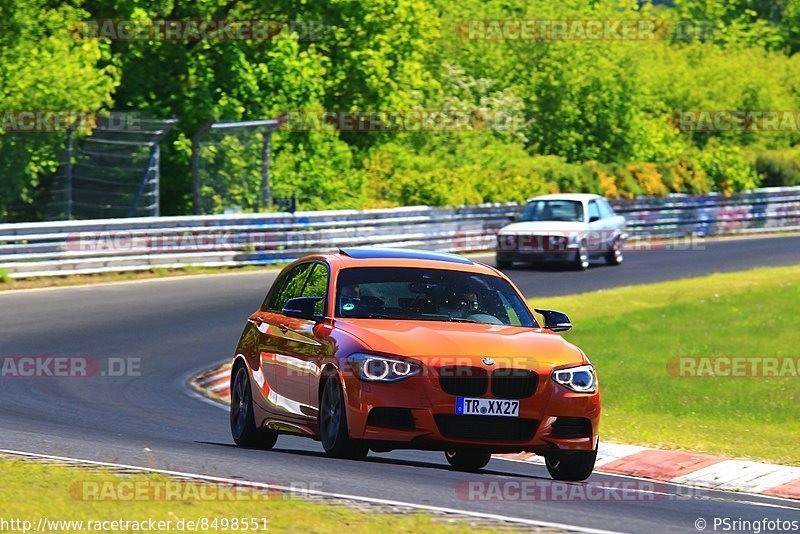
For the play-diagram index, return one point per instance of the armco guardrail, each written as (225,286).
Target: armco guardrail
(82,247)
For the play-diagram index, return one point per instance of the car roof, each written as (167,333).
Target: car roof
(579,197)
(370,253)
(403,257)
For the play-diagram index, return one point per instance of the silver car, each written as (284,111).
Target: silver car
(572,228)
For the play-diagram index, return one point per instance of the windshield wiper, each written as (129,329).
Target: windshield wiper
(445,317)
(371,316)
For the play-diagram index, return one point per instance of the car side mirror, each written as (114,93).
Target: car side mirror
(302,308)
(512,218)
(555,320)
(594,218)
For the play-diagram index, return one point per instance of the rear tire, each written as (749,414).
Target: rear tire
(333,429)
(468,460)
(243,425)
(571,466)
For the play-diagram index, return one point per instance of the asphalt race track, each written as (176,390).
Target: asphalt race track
(178,326)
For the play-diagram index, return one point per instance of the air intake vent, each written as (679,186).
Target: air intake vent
(572,427)
(399,418)
(486,427)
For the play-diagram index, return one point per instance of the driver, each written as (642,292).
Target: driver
(351,292)
(464,303)
(349,297)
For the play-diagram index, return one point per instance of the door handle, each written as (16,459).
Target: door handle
(283,328)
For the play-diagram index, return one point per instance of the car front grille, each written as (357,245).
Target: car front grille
(464,381)
(514,383)
(532,243)
(467,381)
(485,427)
(550,243)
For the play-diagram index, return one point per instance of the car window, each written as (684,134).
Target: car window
(289,286)
(317,286)
(606,210)
(552,210)
(594,210)
(429,295)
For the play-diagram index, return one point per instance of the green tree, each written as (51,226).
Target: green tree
(44,67)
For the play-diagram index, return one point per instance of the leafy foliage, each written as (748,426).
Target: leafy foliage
(779,167)
(43,67)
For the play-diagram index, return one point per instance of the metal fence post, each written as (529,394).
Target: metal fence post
(152,166)
(157,184)
(266,185)
(196,165)
(68,177)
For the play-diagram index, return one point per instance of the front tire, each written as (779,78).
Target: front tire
(571,466)
(581,260)
(503,264)
(614,256)
(243,425)
(468,460)
(333,429)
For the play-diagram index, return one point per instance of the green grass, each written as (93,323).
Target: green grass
(631,333)
(33,490)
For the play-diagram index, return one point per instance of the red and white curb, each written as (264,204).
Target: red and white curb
(214,383)
(680,467)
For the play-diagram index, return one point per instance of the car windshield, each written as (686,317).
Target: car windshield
(553,210)
(429,295)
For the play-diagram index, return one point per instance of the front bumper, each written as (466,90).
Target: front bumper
(537,256)
(436,426)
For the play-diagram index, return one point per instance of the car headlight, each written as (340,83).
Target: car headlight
(580,379)
(372,368)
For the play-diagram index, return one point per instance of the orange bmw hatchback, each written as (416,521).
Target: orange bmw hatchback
(381,349)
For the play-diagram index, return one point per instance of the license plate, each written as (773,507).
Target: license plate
(467,406)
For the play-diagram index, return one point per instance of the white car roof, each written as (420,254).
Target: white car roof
(579,197)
